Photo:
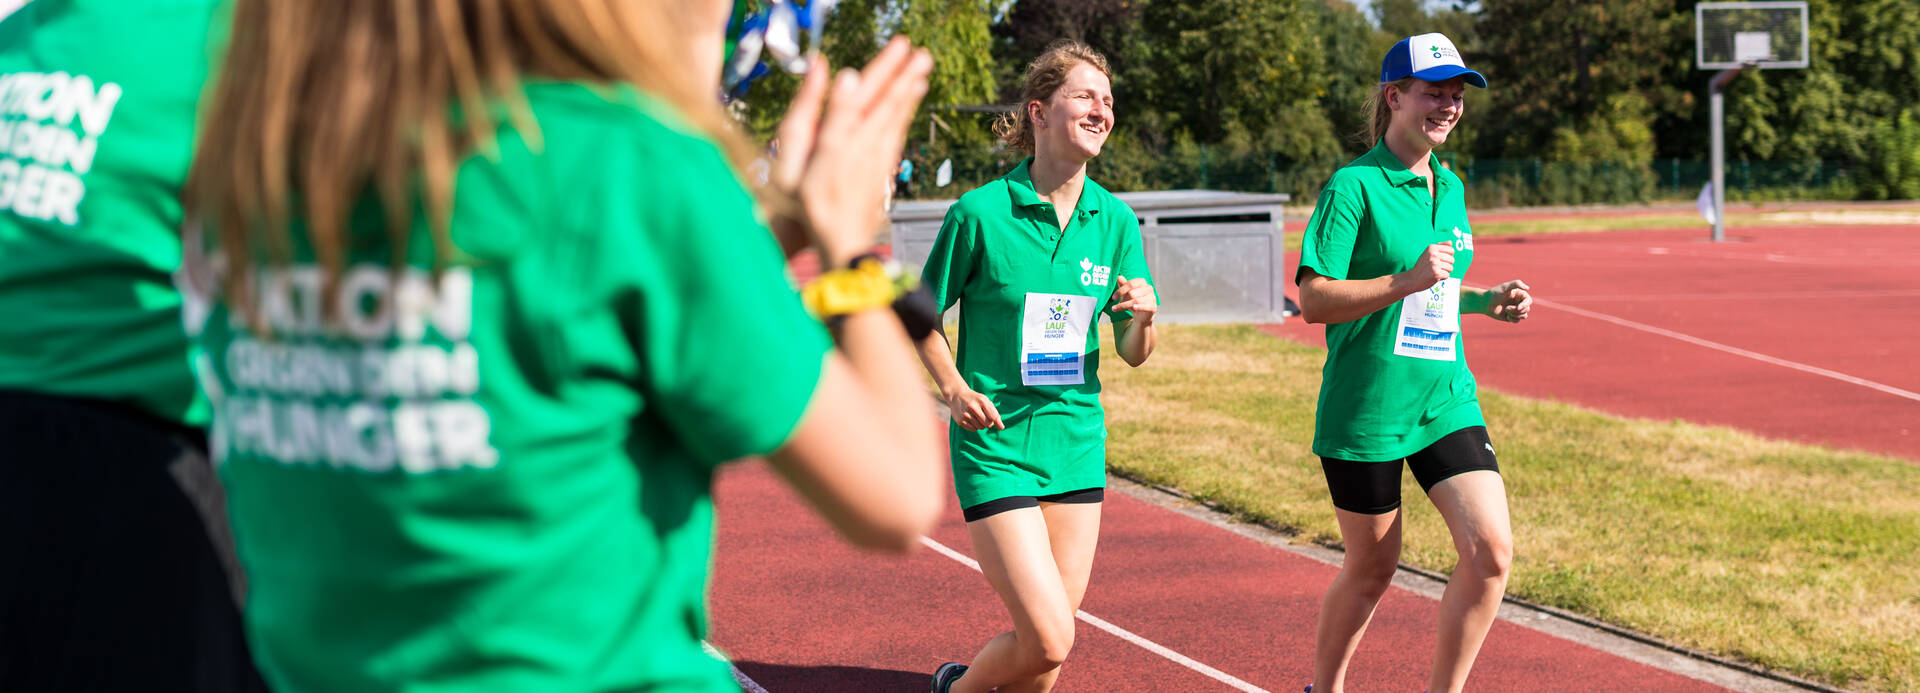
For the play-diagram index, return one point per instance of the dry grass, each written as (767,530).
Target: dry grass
(1793,557)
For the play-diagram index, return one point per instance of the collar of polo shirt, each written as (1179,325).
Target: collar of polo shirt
(1020,188)
(1397,173)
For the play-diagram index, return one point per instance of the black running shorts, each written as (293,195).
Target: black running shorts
(1001,505)
(1373,488)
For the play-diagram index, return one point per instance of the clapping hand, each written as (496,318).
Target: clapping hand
(836,136)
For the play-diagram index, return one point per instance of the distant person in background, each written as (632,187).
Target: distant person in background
(1384,259)
(904,188)
(113,542)
(1033,259)
(529,309)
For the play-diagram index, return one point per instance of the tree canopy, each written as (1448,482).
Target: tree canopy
(1267,94)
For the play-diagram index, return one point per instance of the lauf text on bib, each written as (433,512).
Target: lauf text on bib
(1053,339)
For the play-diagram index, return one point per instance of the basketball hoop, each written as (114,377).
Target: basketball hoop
(1732,37)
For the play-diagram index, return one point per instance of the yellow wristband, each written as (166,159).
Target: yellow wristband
(864,286)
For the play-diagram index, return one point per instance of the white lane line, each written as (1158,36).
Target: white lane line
(1754,295)
(1119,632)
(746,684)
(1737,351)
(950,553)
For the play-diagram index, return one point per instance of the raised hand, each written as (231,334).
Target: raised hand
(1136,295)
(836,139)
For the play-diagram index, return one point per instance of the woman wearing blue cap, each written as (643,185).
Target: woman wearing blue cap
(1384,260)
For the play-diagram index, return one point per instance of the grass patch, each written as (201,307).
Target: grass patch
(1491,226)
(1794,557)
(1738,217)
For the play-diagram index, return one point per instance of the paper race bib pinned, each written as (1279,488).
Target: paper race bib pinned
(1428,322)
(1053,339)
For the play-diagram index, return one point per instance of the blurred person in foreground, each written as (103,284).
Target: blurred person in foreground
(491,306)
(114,553)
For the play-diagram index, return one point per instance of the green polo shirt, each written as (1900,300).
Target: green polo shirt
(497,477)
(1375,218)
(97,103)
(1000,244)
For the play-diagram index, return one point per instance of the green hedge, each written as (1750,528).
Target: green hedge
(1490,182)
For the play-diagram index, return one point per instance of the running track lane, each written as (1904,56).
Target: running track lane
(1845,300)
(799,610)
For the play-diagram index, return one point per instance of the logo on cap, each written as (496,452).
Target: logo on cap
(1439,60)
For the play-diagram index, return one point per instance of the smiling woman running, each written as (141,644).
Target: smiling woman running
(1032,258)
(1382,266)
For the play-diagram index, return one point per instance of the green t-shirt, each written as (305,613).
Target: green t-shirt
(500,479)
(1003,257)
(96,133)
(1379,401)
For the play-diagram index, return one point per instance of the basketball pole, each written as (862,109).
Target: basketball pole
(1716,98)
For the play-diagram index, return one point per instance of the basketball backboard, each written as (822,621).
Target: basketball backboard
(1771,35)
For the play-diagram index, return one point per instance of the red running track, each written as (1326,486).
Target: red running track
(798,610)
(1845,300)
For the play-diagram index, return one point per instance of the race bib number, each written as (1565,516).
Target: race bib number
(1053,339)
(1428,322)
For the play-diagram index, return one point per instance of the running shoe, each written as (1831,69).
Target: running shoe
(948,673)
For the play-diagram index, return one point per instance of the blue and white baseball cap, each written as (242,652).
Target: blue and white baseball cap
(1429,57)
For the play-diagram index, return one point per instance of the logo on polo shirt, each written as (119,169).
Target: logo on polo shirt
(1462,240)
(1093,275)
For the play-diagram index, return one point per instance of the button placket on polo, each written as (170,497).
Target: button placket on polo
(1055,236)
(1078,220)
(1417,191)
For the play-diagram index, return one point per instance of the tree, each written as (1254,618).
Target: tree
(1248,68)
(1352,64)
(1032,24)
(1029,26)
(1557,64)
(1863,56)
(1401,18)
(956,32)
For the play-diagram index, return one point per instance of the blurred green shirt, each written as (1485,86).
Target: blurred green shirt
(97,107)
(499,478)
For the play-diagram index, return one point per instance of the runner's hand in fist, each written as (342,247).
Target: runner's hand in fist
(1510,302)
(1434,265)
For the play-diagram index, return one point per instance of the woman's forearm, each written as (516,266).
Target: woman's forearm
(1475,301)
(1134,341)
(1331,301)
(937,356)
